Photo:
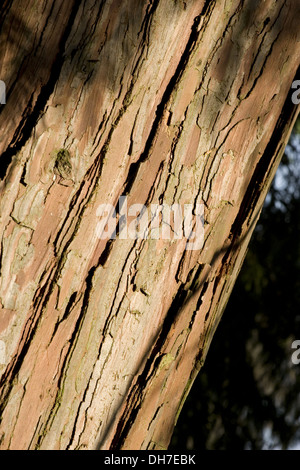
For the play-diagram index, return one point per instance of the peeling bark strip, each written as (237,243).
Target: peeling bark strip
(162,101)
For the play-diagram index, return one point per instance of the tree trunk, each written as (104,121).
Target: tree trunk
(165,102)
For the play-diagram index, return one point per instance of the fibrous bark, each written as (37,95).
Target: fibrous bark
(161,101)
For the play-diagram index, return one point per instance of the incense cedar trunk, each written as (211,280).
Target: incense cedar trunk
(161,101)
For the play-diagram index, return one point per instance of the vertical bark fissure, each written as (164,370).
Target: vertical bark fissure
(67,358)
(99,382)
(31,116)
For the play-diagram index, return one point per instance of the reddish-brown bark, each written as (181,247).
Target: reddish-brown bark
(180,102)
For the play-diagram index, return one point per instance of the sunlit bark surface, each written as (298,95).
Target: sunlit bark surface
(163,101)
